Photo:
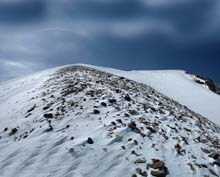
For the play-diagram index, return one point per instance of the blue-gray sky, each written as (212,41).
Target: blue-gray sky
(125,34)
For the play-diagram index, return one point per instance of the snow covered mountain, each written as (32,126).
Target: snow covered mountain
(179,86)
(77,121)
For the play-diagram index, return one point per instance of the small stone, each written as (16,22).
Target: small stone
(113,123)
(112,101)
(140,172)
(25,136)
(71,150)
(157,164)
(90,141)
(160,166)
(104,104)
(213,172)
(214,155)
(96,111)
(138,161)
(205,150)
(119,121)
(178,148)
(48,115)
(126,115)
(67,126)
(158,173)
(13,131)
(127,98)
(123,147)
(133,112)
(46,107)
(132,125)
(151,130)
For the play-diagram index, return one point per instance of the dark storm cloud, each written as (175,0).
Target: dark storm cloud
(14,12)
(127,34)
(103,10)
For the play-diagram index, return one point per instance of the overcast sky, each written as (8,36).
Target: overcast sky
(125,34)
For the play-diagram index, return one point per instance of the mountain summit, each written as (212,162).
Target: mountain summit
(79,121)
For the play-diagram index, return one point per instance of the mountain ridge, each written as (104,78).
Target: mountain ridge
(98,124)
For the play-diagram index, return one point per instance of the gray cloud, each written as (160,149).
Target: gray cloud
(15,12)
(40,34)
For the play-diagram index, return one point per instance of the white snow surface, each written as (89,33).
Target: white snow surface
(178,85)
(45,146)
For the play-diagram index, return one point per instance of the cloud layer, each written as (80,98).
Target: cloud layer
(128,34)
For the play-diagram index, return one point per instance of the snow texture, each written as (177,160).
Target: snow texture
(76,121)
(178,85)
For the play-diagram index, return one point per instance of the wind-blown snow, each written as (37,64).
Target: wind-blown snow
(179,86)
(47,118)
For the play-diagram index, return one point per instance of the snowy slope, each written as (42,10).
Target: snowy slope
(80,122)
(179,86)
